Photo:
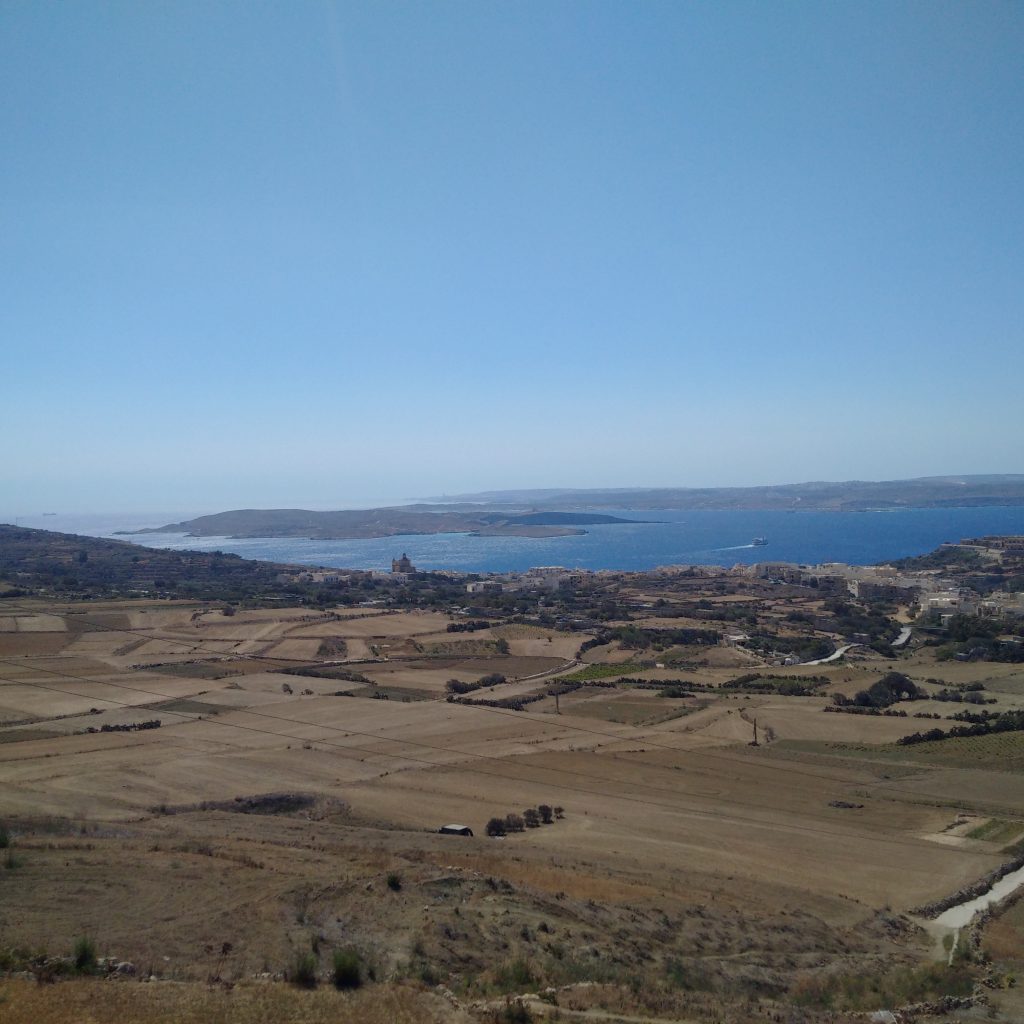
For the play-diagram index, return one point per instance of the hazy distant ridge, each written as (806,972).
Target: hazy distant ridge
(848,496)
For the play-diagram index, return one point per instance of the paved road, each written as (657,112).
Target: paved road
(834,656)
(902,638)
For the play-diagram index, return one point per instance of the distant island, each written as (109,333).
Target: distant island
(565,513)
(848,496)
(365,524)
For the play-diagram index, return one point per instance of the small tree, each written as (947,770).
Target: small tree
(495,827)
(545,814)
(303,970)
(514,822)
(531,817)
(559,812)
(347,969)
(85,955)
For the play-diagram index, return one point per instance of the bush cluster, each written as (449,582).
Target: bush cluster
(532,817)
(890,689)
(470,626)
(1008,721)
(458,686)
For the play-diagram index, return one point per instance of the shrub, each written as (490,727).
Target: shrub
(429,975)
(545,814)
(84,955)
(347,969)
(531,817)
(895,987)
(394,882)
(496,827)
(303,970)
(514,822)
(515,975)
(691,977)
(515,1011)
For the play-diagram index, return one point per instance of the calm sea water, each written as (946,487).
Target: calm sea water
(664,538)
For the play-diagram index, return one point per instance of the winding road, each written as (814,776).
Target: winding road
(834,656)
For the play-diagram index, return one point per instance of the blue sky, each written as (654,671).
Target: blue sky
(328,254)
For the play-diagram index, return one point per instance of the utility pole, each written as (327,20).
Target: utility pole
(755,743)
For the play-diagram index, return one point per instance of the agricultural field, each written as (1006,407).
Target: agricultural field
(289,768)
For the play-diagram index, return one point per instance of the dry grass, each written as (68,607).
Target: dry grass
(667,818)
(100,1002)
(32,644)
(635,712)
(1003,937)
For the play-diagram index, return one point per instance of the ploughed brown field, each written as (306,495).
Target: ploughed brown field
(275,815)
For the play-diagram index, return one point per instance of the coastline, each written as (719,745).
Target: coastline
(657,538)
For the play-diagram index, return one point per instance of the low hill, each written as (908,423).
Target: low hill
(42,560)
(382,522)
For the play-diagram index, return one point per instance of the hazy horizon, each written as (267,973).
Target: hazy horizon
(337,255)
(139,516)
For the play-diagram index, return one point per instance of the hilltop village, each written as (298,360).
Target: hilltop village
(241,790)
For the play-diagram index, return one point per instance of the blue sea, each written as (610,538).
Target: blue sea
(667,537)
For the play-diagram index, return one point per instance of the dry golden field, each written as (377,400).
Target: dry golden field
(689,869)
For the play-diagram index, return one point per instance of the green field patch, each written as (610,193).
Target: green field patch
(997,830)
(603,670)
(23,735)
(185,706)
(1000,752)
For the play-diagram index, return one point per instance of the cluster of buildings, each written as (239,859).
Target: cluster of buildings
(540,577)
(963,601)
(932,594)
(865,582)
(1009,547)
(322,576)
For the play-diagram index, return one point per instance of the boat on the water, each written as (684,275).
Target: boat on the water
(759,542)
